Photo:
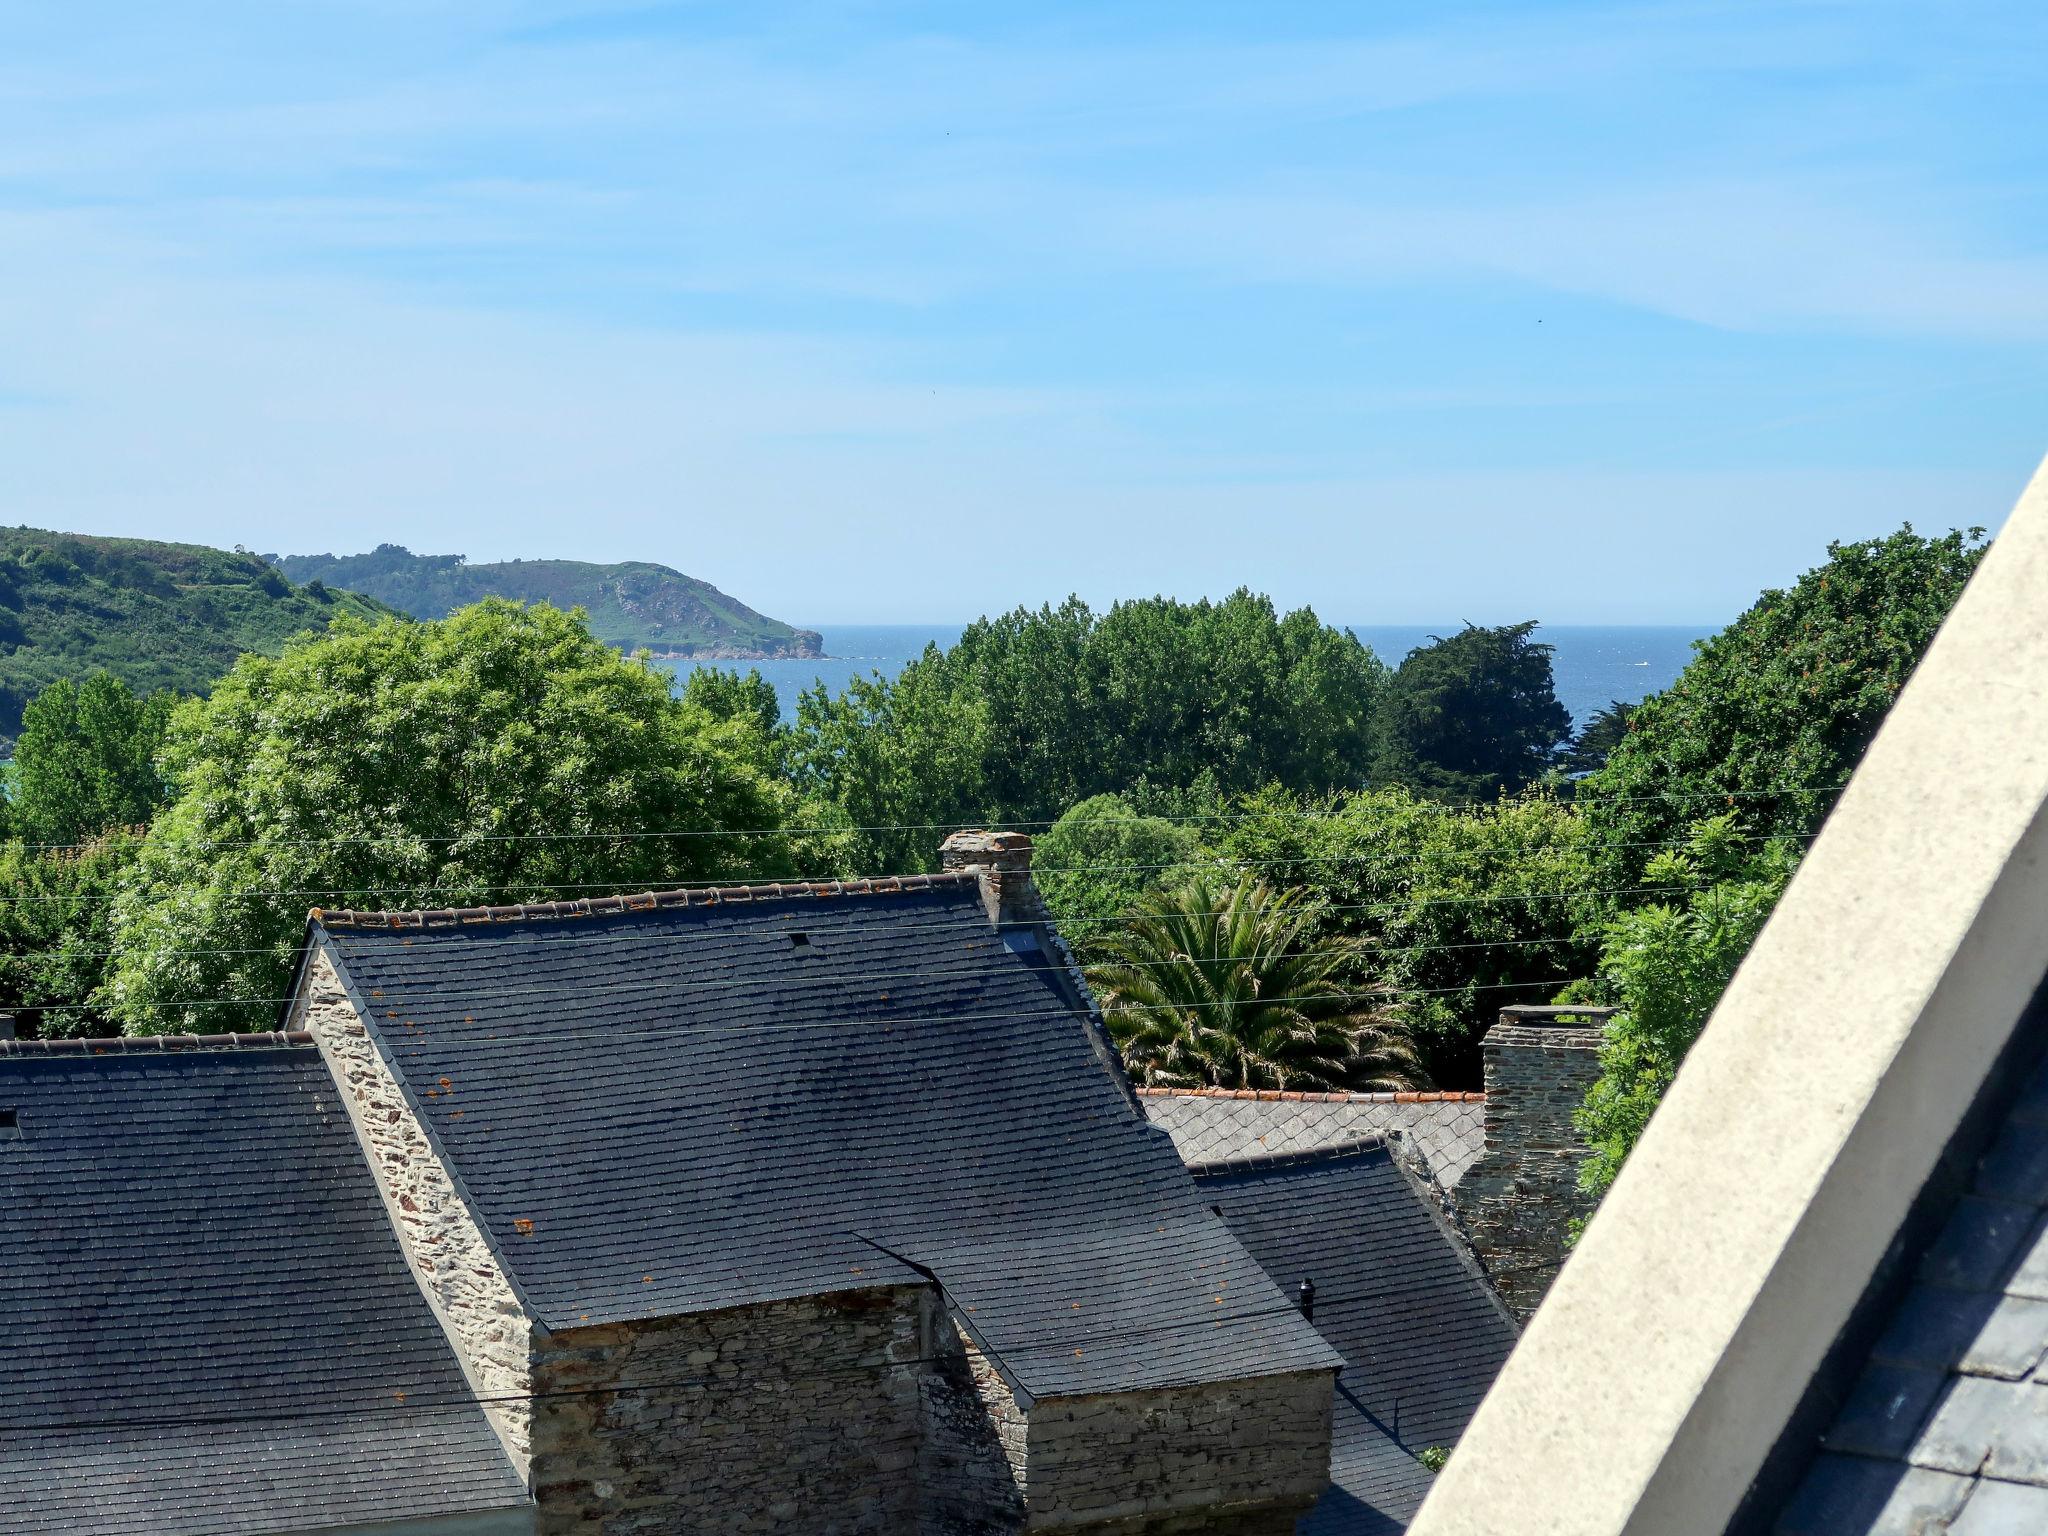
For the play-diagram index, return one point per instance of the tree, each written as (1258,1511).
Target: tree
(1227,985)
(728,695)
(502,754)
(1031,712)
(86,760)
(1094,863)
(56,930)
(1467,908)
(1596,739)
(1773,712)
(1666,965)
(1472,715)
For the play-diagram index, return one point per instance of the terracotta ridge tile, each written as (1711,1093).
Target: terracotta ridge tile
(151,1045)
(642,901)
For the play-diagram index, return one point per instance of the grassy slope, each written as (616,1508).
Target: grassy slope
(630,605)
(157,615)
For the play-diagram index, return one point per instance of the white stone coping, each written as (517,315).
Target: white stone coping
(1680,1336)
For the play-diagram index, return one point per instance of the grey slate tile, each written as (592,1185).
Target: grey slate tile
(207,1313)
(1873,1498)
(1421,1335)
(2004,1509)
(1933,1327)
(2016,1167)
(1997,1427)
(2012,1342)
(1884,1411)
(1976,1248)
(2030,1276)
(904,1083)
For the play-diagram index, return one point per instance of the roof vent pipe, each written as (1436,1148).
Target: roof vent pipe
(1305,1298)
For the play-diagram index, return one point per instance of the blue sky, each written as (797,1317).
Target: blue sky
(868,312)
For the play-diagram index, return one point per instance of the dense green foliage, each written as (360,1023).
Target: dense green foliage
(157,616)
(1718,783)
(1471,715)
(1033,712)
(1467,909)
(86,761)
(1773,712)
(56,931)
(1094,863)
(1596,739)
(1233,986)
(1667,964)
(485,757)
(632,605)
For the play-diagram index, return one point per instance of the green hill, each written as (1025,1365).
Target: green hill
(631,605)
(155,615)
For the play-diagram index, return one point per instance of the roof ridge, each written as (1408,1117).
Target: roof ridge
(151,1045)
(1266,1162)
(1289,1096)
(643,901)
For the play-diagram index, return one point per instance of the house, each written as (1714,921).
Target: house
(1503,1164)
(1816,1299)
(820,1207)
(209,1325)
(1394,1291)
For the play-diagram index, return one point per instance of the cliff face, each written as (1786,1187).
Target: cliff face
(631,605)
(156,615)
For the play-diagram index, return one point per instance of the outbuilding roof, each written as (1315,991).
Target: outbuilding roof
(1421,1333)
(710,1099)
(1448,1130)
(209,1325)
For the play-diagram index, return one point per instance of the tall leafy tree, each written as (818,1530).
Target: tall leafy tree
(86,760)
(501,754)
(1229,985)
(1596,739)
(1094,863)
(1772,713)
(1471,715)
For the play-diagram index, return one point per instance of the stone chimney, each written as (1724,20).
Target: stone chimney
(1003,861)
(1517,1202)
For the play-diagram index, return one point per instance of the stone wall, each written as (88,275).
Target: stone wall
(1517,1202)
(786,1418)
(971,1467)
(1224,1457)
(460,1275)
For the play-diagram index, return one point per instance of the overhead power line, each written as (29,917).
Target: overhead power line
(990,825)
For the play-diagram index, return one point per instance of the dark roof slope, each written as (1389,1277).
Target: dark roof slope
(208,1324)
(1948,1424)
(1421,1334)
(721,1101)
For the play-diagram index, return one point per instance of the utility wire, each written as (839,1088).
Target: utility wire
(990,825)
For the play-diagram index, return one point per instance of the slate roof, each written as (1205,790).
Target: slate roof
(208,1324)
(732,1097)
(1207,1124)
(1421,1333)
(1947,1429)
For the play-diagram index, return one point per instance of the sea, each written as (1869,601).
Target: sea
(1592,665)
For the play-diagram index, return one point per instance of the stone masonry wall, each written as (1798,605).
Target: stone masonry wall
(1517,1202)
(457,1270)
(786,1418)
(1222,1459)
(971,1467)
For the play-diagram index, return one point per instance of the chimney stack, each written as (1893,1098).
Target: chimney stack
(1003,861)
(1517,1202)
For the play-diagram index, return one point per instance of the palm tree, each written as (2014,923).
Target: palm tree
(1229,986)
